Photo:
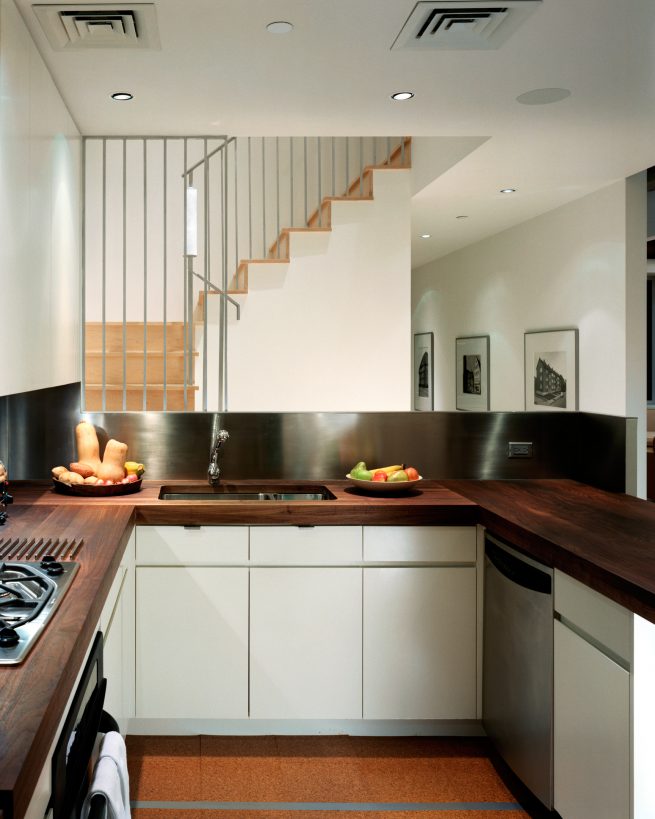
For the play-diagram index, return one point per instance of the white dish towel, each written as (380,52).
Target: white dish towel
(110,778)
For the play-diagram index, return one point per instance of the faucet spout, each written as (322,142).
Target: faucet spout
(214,471)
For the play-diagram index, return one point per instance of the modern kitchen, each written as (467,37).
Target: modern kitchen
(240,277)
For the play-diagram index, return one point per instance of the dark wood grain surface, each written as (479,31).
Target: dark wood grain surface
(605,540)
(33,695)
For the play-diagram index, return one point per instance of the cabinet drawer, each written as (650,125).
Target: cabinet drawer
(306,546)
(420,544)
(594,615)
(205,545)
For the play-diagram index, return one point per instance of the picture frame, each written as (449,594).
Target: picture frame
(472,373)
(551,370)
(423,378)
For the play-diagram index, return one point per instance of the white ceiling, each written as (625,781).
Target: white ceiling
(220,71)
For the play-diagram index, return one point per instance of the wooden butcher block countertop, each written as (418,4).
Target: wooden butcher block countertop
(605,540)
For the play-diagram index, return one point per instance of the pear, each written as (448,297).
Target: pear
(399,475)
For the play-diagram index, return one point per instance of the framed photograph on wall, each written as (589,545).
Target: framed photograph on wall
(423,371)
(472,373)
(551,370)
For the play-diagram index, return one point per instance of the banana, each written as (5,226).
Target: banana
(388,469)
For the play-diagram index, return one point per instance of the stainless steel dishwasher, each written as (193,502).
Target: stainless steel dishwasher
(517,689)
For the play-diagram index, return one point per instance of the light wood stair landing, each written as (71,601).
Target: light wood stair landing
(123,362)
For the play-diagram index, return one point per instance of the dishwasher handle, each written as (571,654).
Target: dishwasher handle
(516,570)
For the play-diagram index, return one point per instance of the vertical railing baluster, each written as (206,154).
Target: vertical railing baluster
(264,253)
(165,260)
(185,275)
(333,169)
(124,332)
(347,166)
(277,192)
(83,276)
(236,215)
(290,181)
(388,151)
(402,151)
(205,223)
(361,166)
(305,166)
(320,195)
(145,273)
(249,200)
(104,275)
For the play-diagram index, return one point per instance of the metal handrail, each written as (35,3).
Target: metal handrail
(211,286)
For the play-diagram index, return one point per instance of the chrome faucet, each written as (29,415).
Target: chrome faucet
(214,471)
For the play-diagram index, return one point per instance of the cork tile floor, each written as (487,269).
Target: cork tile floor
(276,777)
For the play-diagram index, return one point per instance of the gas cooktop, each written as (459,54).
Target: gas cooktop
(30,591)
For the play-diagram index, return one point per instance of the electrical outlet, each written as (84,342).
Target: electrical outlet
(519,449)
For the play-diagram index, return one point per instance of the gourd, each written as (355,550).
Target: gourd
(88,448)
(112,467)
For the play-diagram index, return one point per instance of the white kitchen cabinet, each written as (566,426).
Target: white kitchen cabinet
(420,622)
(117,626)
(306,643)
(592,691)
(420,643)
(192,642)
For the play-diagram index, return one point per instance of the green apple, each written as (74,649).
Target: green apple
(398,476)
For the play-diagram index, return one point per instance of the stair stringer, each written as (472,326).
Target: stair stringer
(330,329)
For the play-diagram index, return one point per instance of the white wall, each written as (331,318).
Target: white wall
(39,219)
(576,266)
(330,331)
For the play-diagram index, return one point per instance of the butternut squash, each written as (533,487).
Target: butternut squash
(88,448)
(112,467)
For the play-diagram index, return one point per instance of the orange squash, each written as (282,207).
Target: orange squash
(112,467)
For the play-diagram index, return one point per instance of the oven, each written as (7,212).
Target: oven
(77,747)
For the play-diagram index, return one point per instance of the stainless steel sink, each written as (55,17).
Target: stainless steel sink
(245,492)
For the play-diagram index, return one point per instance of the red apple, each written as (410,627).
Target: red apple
(380,475)
(412,474)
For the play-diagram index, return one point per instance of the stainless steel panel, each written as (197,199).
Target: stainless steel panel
(37,433)
(517,701)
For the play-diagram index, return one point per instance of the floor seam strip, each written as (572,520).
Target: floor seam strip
(328,806)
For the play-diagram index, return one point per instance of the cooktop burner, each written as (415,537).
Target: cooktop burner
(29,594)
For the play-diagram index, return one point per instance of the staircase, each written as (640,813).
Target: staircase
(125,363)
(150,375)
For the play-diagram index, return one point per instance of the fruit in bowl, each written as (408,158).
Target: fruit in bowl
(397,473)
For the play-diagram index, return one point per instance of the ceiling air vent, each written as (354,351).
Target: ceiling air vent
(98,25)
(462,24)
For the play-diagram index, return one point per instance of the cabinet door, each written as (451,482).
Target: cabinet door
(591,731)
(420,643)
(192,642)
(306,643)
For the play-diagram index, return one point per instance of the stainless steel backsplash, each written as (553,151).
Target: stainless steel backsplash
(38,431)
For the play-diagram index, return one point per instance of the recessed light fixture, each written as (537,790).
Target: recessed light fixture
(425,235)
(543,96)
(402,95)
(508,190)
(122,95)
(464,216)
(279,27)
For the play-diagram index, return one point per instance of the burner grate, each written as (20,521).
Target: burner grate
(36,548)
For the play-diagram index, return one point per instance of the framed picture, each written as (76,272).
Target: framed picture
(423,373)
(551,370)
(472,373)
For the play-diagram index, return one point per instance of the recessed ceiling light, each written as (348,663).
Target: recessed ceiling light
(464,216)
(402,95)
(543,96)
(425,235)
(279,27)
(508,190)
(121,95)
